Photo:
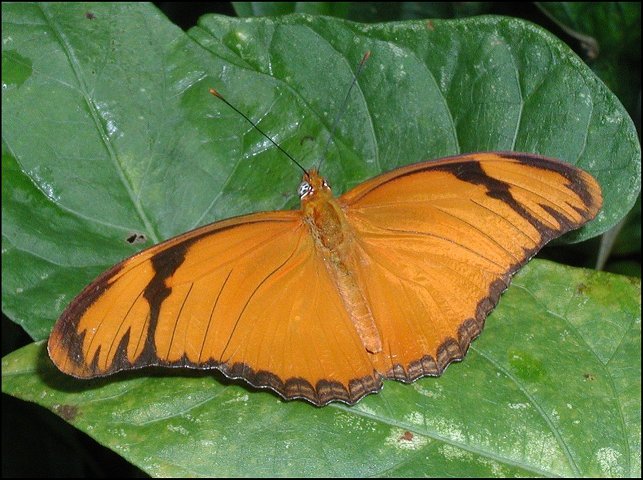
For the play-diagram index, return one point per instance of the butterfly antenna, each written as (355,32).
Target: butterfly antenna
(342,109)
(220,97)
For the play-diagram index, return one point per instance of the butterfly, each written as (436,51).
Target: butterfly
(391,280)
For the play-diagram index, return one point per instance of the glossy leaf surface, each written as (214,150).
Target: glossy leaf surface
(552,387)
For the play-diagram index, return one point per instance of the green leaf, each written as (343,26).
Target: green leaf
(552,387)
(609,34)
(615,26)
(113,132)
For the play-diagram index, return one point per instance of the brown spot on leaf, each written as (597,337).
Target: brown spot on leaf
(407,436)
(66,412)
(136,238)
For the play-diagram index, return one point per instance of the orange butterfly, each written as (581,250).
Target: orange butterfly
(392,280)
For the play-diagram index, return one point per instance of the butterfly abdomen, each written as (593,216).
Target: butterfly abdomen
(335,246)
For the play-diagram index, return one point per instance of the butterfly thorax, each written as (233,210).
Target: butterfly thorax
(335,243)
(322,214)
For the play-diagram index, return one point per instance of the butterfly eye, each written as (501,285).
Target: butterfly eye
(304,189)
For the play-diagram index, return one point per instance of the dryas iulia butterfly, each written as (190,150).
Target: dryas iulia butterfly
(392,280)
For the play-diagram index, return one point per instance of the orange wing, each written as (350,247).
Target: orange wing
(247,296)
(439,242)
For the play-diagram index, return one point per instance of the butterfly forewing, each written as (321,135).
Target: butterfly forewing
(248,297)
(440,241)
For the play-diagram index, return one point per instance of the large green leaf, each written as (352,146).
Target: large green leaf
(108,131)
(609,35)
(552,387)
(108,128)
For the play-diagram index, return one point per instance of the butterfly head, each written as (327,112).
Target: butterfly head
(313,186)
